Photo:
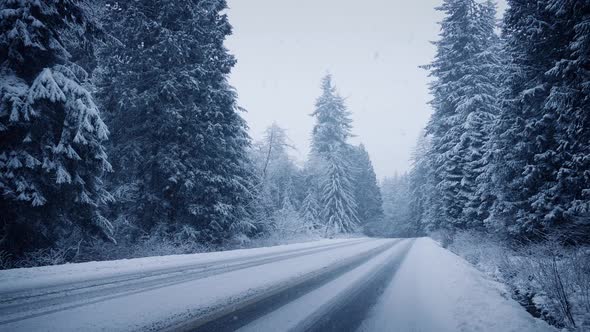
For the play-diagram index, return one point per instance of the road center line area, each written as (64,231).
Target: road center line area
(341,304)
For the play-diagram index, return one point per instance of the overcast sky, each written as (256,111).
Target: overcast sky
(372,48)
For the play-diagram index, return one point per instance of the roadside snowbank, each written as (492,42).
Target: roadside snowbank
(435,290)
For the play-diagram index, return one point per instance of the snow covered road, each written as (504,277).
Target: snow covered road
(41,293)
(328,285)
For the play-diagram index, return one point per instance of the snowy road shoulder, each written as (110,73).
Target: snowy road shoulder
(435,290)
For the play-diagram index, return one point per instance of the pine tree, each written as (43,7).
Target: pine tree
(178,140)
(329,147)
(310,209)
(480,102)
(337,196)
(51,132)
(569,98)
(464,98)
(366,190)
(421,189)
(524,157)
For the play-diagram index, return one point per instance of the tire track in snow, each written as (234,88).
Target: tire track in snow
(348,310)
(230,318)
(20,306)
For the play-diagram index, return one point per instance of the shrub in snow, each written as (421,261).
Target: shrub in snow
(43,257)
(290,225)
(5,260)
(551,280)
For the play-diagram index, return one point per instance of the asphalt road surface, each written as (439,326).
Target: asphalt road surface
(328,286)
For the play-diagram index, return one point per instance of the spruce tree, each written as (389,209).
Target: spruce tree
(464,102)
(366,190)
(569,98)
(310,209)
(480,105)
(524,156)
(51,132)
(178,140)
(421,189)
(563,206)
(329,146)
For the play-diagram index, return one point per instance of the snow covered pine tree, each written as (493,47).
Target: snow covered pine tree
(421,184)
(329,146)
(524,161)
(310,209)
(179,144)
(366,189)
(464,103)
(51,133)
(570,99)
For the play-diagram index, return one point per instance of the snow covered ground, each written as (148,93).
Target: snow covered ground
(435,290)
(156,307)
(299,314)
(385,284)
(38,277)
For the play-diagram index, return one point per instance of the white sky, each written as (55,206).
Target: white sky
(372,48)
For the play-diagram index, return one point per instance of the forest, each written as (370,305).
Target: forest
(121,136)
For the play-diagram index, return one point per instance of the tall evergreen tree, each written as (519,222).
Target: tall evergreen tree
(570,100)
(464,98)
(51,132)
(329,146)
(366,190)
(479,104)
(310,210)
(421,187)
(523,144)
(178,140)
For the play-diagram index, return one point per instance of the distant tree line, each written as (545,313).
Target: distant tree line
(118,127)
(334,191)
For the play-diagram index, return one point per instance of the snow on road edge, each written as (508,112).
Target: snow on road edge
(435,290)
